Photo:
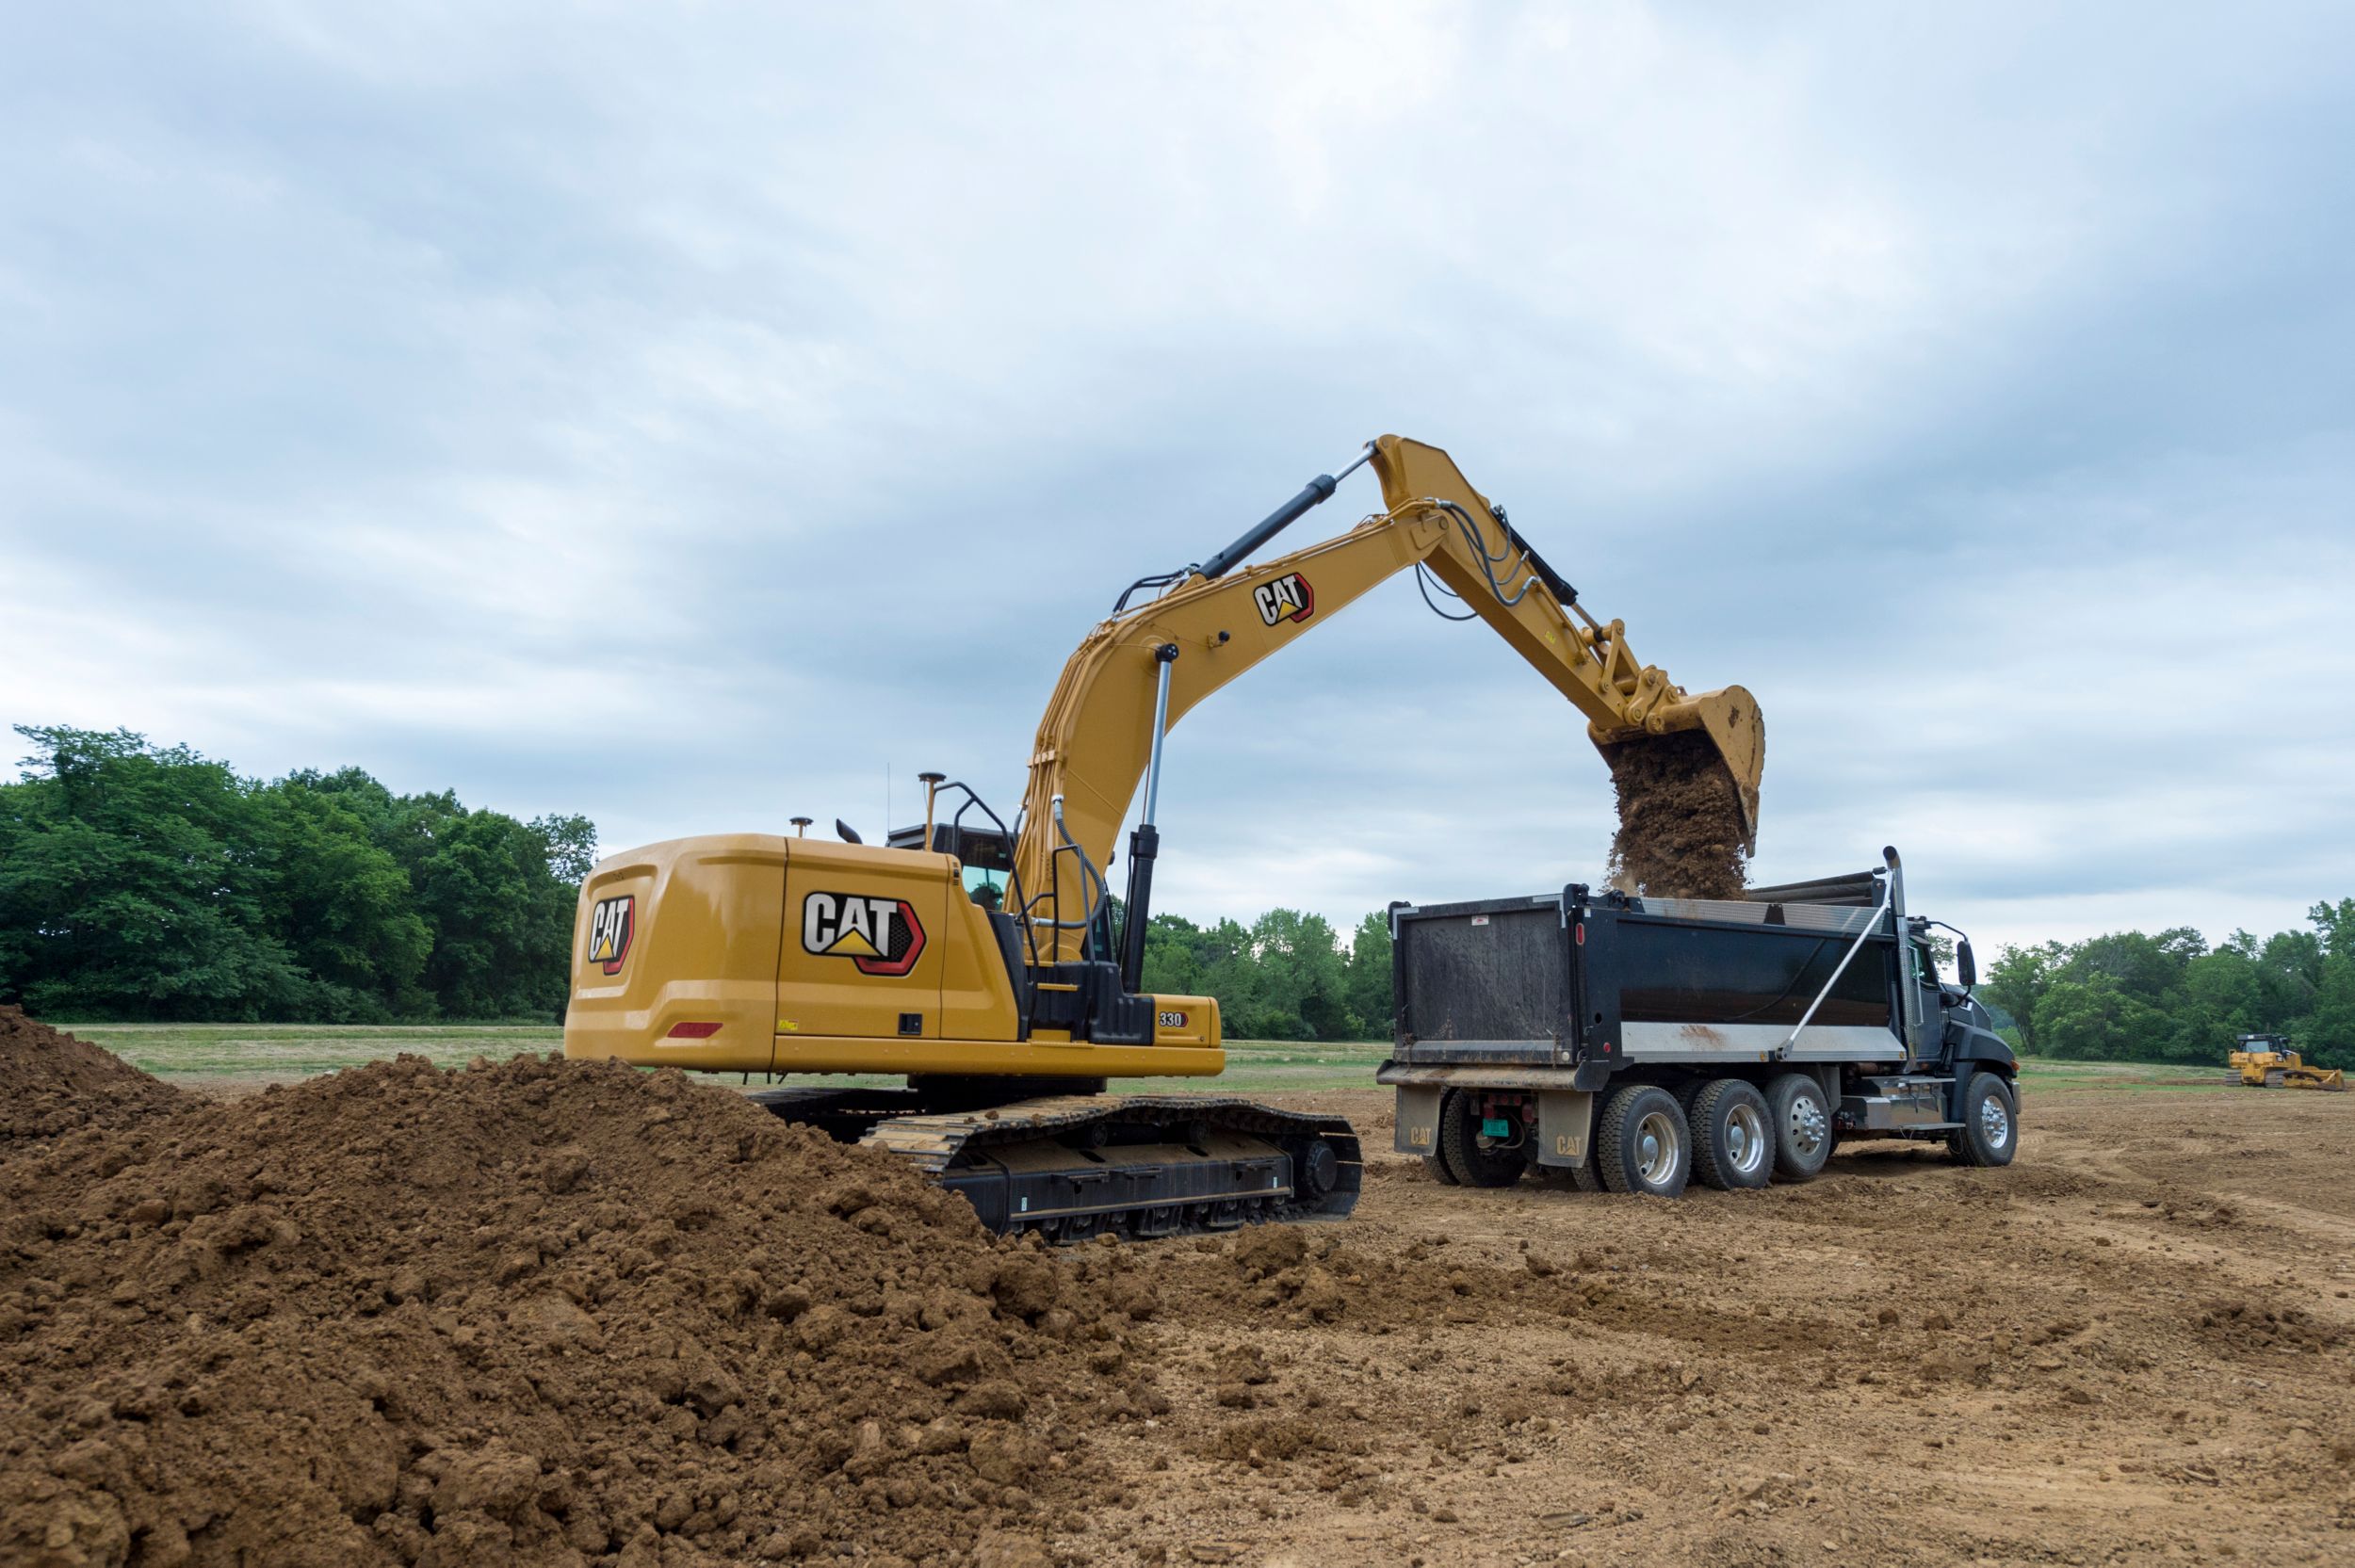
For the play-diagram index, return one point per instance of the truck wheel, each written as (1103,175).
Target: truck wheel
(1733,1146)
(1991,1123)
(1432,1163)
(1642,1142)
(1802,1126)
(1472,1158)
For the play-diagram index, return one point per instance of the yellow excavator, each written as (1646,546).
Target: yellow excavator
(979,962)
(2269,1061)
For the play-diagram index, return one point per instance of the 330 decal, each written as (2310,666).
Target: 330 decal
(1285,598)
(880,936)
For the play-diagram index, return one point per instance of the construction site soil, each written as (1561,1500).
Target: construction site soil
(51,1083)
(1680,833)
(551,1313)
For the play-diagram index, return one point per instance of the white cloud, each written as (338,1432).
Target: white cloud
(684,417)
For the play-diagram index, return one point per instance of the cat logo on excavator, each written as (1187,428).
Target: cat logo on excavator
(1285,598)
(880,936)
(611,926)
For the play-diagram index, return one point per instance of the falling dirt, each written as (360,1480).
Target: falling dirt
(51,1083)
(545,1312)
(562,1312)
(1679,832)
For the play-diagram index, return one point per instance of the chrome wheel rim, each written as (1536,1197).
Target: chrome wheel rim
(1746,1139)
(1658,1146)
(1806,1126)
(1995,1122)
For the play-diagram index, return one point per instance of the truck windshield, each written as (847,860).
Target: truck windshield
(1926,963)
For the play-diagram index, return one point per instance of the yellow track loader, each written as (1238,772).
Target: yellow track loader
(978,961)
(2267,1062)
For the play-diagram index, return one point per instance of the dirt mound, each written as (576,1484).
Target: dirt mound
(1680,819)
(51,1083)
(545,1312)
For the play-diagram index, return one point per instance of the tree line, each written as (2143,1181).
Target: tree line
(1284,977)
(148,883)
(2131,996)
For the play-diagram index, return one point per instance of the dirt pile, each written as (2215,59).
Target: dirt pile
(51,1083)
(539,1313)
(1679,832)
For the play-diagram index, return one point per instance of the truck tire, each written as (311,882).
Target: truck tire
(1802,1126)
(1470,1157)
(1734,1144)
(1432,1163)
(1991,1123)
(1642,1143)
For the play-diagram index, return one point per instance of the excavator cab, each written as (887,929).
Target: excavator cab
(985,854)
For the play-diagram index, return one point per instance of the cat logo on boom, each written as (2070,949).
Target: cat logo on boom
(1285,598)
(880,936)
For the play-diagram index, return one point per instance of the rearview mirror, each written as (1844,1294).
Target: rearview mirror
(1965,966)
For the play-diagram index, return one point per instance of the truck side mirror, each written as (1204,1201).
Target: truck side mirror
(1966,966)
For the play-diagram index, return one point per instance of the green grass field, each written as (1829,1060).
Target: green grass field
(230,1052)
(262,1053)
(192,1053)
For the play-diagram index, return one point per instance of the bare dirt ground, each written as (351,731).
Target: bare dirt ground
(541,1312)
(2134,1345)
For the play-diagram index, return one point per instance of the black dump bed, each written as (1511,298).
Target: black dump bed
(1573,978)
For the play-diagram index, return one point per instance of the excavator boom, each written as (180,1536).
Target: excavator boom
(1141,671)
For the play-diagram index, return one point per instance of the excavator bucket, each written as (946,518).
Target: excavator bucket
(1685,748)
(1730,719)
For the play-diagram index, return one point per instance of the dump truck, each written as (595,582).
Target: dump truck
(1632,1044)
(2270,1061)
(979,962)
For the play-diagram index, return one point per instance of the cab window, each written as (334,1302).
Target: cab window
(1926,963)
(985,888)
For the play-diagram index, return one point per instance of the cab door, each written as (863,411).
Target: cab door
(863,939)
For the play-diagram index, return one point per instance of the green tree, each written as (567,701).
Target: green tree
(2326,1035)
(150,882)
(342,907)
(131,881)
(1283,977)
(2095,1019)
(1371,1007)
(2018,980)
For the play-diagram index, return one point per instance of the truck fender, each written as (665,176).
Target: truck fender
(1969,1042)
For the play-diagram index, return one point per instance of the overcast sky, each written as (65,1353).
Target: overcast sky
(687,418)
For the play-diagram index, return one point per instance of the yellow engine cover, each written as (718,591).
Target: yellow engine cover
(750,952)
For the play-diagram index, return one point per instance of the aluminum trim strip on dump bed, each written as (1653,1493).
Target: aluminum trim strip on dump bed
(1758,1042)
(1840,919)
